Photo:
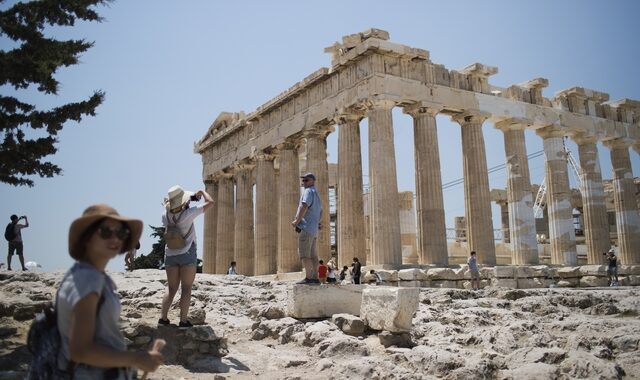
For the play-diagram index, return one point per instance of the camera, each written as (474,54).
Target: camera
(194,198)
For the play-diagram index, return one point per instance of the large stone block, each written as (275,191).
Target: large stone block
(504,283)
(387,275)
(629,270)
(322,301)
(503,272)
(569,272)
(412,274)
(444,284)
(410,284)
(443,274)
(349,324)
(593,270)
(541,271)
(389,309)
(530,283)
(526,272)
(593,281)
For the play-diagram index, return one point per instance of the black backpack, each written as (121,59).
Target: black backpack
(10,232)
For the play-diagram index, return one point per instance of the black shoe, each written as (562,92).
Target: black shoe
(163,322)
(304,281)
(185,324)
(314,281)
(308,281)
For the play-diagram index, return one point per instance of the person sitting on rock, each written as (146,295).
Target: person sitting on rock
(375,277)
(87,304)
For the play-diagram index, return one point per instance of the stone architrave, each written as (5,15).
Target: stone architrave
(384,217)
(225,225)
(289,192)
(627,218)
(317,164)
(432,239)
(594,206)
(521,223)
(477,198)
(562,236)
(243,245)
(351,234)
(210,230)
(266,228)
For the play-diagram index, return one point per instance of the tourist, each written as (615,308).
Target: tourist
(13,234)
(375,279)
(87,303)
(181,261)
(232,269)
(332,263)
(331,275)
(356,270)
(322,272)
(612,268)
(307,223)
(343,275)
(473,269)
(130,257)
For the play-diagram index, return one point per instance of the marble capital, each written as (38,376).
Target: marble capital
(422,108)
(550,131)
(345,116)
(513,124)
(470,117)
(320,131)
(264,156)
(583,139)
(289,144)
(378,104)
(225,174)
(617,144)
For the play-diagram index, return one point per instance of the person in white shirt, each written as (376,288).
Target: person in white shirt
(232,269)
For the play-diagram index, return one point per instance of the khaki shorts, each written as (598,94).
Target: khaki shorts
(306,245)
(475,274)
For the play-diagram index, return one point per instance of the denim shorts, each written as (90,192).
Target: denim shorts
(184,260)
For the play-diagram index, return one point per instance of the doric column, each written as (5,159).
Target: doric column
(562,235)
(225,225)
(210,229)
(289,192)
(432,233)
(243,244)
(521,223)
(351,236)
(596,225)
(627,218)
(384,215)
(266,238)
(476,188)
(317,164)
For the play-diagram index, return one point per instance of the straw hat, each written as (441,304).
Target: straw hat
(95,213)
(177,197)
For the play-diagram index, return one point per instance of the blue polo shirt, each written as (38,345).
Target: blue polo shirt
(312,218)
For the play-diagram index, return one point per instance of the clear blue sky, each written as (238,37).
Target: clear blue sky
(169,68)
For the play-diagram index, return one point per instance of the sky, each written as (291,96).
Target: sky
(169,68)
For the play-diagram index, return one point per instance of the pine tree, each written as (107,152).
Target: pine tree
(155,258)
(28,135)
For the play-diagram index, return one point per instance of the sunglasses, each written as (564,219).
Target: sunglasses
(121,233)
(306,180)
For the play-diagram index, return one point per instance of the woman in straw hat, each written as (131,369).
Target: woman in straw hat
(87,304)
(180,262)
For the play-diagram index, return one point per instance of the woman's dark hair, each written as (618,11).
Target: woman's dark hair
(80,250)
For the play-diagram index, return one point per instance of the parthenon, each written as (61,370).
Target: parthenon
(368,77)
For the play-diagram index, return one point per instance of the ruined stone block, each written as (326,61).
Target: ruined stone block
(444,284)
(593,270)
(349,324)
(409,284)
(504,283)
(322,301)
(593,281)
(503,272)
(442,274)
(525,272)
(389,309)
(412,274)
(530,283)
(629,270)
(540,270)
(568,272)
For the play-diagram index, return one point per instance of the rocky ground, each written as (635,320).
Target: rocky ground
(457,334)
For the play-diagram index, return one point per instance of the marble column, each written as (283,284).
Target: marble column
(594,208)
(289,192)
(562,236)
(432,234)
(386,247)
(521,220)
(210,230)
(266,227)
(477,198)
(243,244)
(624,189)
(350,207)
(225,225)
(317,164)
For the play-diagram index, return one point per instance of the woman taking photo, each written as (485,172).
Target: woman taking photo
(87,304)
(181,251)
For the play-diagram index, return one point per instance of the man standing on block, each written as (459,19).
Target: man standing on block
(472,261)
(13,235)
(307,224)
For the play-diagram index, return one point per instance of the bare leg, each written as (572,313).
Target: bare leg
(21,257)
(187,276)
(173,281)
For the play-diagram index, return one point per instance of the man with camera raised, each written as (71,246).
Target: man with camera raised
(13,235)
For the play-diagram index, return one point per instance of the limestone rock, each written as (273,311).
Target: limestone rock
(568,272)
(593,270)
(442,274)
(322,301)
(413,274)
(342,346)
(503,272)
(402,340)
(390,309)
(592,281)
(349,324)
(504,283)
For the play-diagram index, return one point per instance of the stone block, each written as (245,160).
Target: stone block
(413,274)
(568,283)
(629,270)
(540,270)
(442,274)
(486,272)
(444,284)
(389,309)
(569,272)
(503,272)
(387,275)
(504,283)
(525,272)
(530,283)
(593,281)
(631,280)
(323,301)
(349,324)
(593,270)
(410,284)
